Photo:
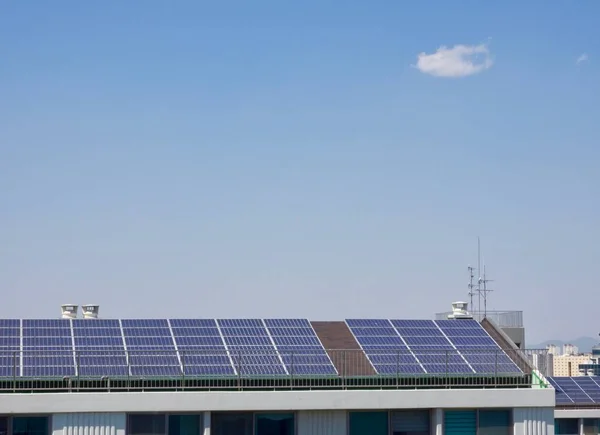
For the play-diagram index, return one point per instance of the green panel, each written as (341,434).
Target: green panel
(495,422)
(30,426)
(185,424)
(274,424)
(460,422)
(369,423)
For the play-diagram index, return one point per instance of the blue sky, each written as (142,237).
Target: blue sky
(266,159)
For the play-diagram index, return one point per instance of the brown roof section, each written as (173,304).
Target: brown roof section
(345,353)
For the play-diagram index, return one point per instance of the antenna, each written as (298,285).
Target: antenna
(481,288)
(485,291)
(472,286)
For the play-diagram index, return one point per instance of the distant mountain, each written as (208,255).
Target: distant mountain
(584,344)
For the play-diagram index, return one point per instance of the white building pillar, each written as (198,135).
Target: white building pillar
(438,421)
(581,427)
(206,420)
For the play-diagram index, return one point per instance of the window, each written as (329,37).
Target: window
(275,424)
(590,426)
(368,423)
(30,426)
(566,426)
(3,425)
(495,422)
(230,423)
(147,424)
(185,424)
(415,422)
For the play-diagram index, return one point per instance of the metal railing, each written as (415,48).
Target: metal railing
(132,370)
(504,319)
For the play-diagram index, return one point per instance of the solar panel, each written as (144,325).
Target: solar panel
(589,386)
(47,348)
(193,323)
(150,348)
(367,323)
(95,323)
(572,390)
(201,348)
(473,342)
(561,397)
(300,349)
(245,347)
(386,351)
(287,323)
(246,339)
(99,348)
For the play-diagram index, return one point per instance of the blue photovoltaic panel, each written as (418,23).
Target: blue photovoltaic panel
(413,323)
(199,341)
(98,332)
(300,349)
(419,332)
(193,323)
(459,323)
(99,348)
(150,348)
(572,390)
(240,323)
(428,341)
(252,339)
(367,323)
(201,348)
(147,332)
(244,332)
(589,386)
(95,323)
(144,323)
(377,332)
(465,332)
(291,332)
(47,332)
(483,354)
(431,348)
(10,346)
(47,348)
(47,323)
(287,323)
(10,323)
(195,332)
(386,350)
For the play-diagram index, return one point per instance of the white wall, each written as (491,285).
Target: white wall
(100,423)
(322,422)
(534,421)
(183,401)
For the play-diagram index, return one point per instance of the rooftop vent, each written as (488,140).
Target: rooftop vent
(460,311)
(90,311)
(69,311)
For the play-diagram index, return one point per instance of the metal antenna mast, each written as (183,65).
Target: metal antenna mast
(485,291)
(472,286)
(479,273)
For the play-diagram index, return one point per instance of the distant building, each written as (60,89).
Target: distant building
(570,349)
(592,366)
(568,365)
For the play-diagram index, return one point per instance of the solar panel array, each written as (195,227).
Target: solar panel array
(161,348)
(428,346)
(579,390)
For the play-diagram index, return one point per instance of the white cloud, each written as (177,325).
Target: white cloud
(583,58)
(458,61)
